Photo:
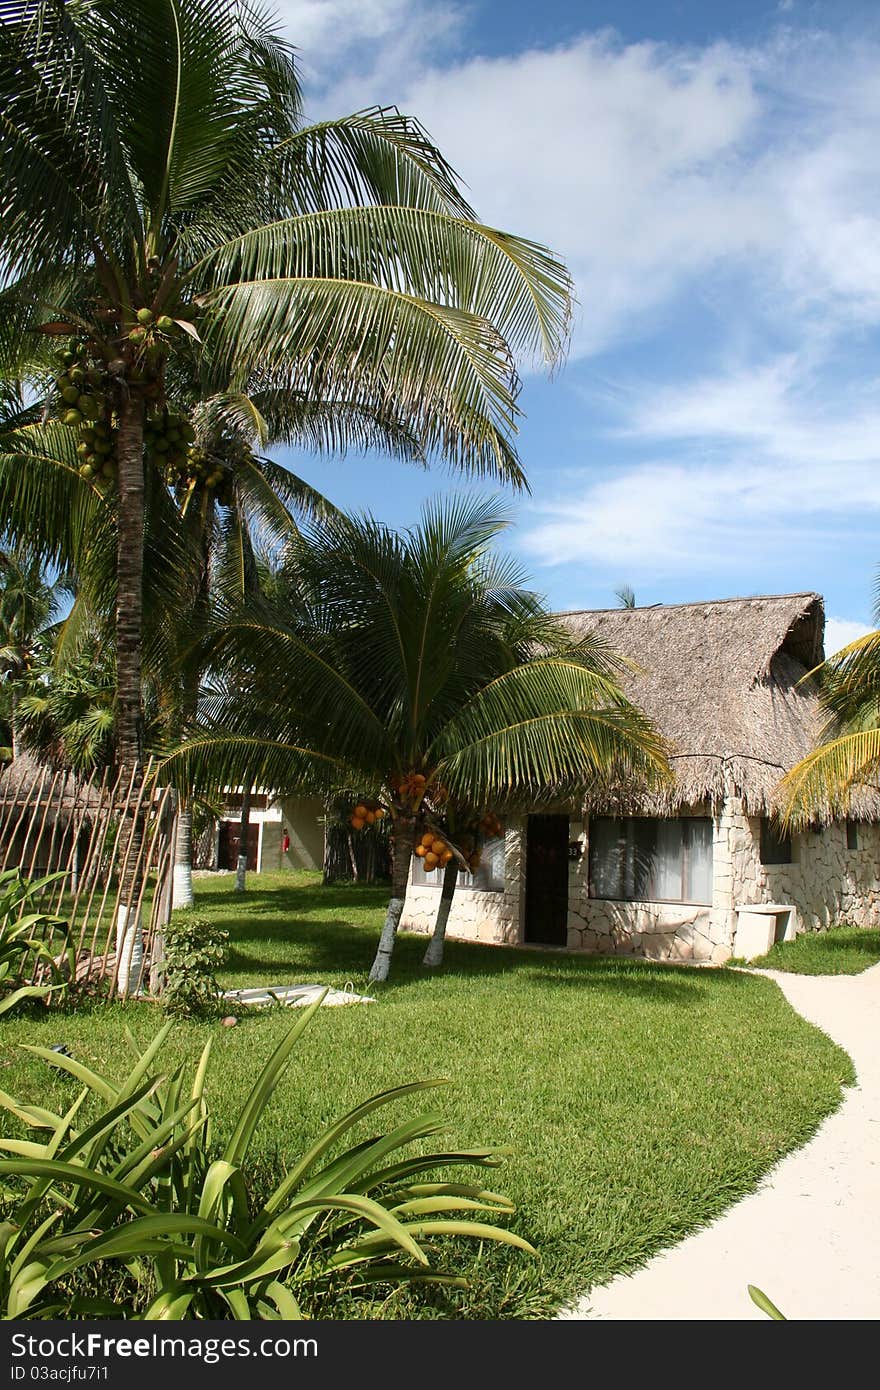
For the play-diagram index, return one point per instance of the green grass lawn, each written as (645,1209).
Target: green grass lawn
(840,951)
(639,1100)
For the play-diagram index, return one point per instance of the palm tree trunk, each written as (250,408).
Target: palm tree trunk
(13,723)
(403,839)
(129,624)
(434,953)
(243,834)
(182,891)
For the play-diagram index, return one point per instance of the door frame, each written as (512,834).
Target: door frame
(560,816)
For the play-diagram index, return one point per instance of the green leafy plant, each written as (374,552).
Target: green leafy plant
(25,941)
(195,949)
(139,1190)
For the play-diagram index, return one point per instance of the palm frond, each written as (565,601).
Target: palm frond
(824,781)
(448,374)
(517,285)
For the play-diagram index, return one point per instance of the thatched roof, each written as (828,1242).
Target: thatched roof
(720,681)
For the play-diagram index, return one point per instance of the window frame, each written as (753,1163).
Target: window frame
(852,837)
(626,839)
(771,845)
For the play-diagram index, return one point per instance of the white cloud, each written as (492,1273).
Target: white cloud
(650,167)
(740,183)
(840,631)
(374,37)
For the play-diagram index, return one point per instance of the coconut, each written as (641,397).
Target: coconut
(72,418)
(357,822)
(164,323)
(360,809)
(70,395)
(421,852)
(431,862)
(438,846)
(428,839)
(144,316)
(370,817)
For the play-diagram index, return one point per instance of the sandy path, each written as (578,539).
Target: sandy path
(810,1236)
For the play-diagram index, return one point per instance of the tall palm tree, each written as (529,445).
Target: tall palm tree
(163,202)
(416,666)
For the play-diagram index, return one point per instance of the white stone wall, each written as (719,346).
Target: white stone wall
(826,883)
(657,931)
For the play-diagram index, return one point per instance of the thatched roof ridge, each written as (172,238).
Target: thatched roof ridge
(721,682)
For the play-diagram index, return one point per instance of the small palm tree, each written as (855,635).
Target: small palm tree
(846,758)
(419,667)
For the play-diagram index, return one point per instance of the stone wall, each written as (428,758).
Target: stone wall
(826,883)
(657,931)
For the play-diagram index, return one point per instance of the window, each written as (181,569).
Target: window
(852,834)
(647,859)
(775,846)
(489,877)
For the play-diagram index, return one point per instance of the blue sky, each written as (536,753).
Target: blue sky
(709,169)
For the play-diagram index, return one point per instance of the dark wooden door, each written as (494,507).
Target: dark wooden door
(230,839)
(547,880)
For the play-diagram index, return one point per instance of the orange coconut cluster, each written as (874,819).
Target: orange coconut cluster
(365,815)
(434,851)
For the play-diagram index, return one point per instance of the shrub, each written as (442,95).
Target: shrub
(195,949)
(26,941)
(138,1192)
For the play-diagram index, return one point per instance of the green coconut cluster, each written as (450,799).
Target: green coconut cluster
(203,471)
(83,405)
(168,436)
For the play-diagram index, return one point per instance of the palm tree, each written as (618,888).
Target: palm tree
(418,667)
(28,603)
(846,758)
(163,204)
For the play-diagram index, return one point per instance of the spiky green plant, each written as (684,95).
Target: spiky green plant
(29,941)
(140,1188)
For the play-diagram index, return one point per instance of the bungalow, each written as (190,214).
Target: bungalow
(702,872)
(284,833)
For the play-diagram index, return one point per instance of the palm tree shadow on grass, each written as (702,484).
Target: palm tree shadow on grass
(307,952)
